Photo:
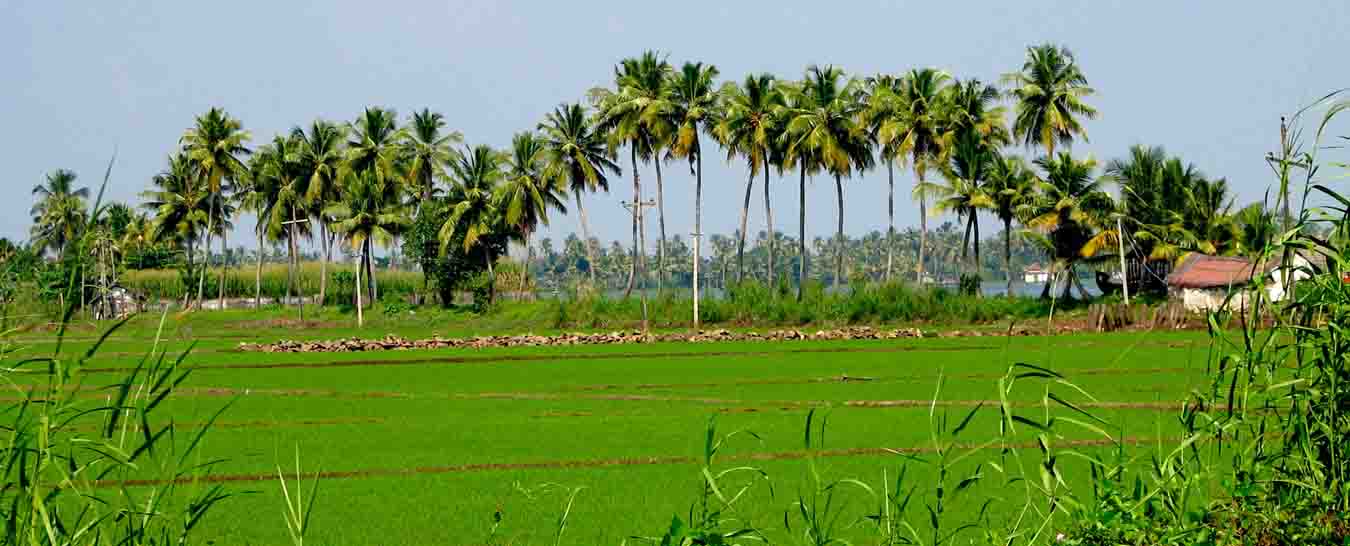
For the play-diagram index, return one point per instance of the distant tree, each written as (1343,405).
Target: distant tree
(748,128)
(59,213)
(216,146)
(319,156)
(1048,93)
(474,210)
(529,191)
(637,114)
(825,121)
(1010,189)
(576,152)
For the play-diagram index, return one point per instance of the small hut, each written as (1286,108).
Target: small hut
(1203,283)
(1034,273)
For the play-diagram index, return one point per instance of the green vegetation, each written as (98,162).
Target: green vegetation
(451,210)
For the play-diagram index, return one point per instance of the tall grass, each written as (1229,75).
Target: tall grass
(240,282)
(757,304)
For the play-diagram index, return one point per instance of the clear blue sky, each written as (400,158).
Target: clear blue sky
(1207,80)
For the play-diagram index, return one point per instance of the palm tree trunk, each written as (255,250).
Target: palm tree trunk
(1007,252)
(1082,291)
(492,277)
(187,292)
(323,269)
(1049,282)
(698,223)
(923,228)
(374,284)
(890,211)
(740,243)
(975,221)
(257,274)
(772,278)
(801,234)
(525,271)
(360,319)
(586,232)
(661,222)
(839,237)
(220,290)
(206,259)
(294,247)
(637,214)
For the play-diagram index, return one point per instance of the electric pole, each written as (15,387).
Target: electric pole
(640,252)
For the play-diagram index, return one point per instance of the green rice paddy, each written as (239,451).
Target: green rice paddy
(425,446)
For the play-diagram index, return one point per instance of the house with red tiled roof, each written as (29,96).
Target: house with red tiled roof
(1205,283)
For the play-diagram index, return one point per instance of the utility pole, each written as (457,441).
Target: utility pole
(294,221)
(640,252)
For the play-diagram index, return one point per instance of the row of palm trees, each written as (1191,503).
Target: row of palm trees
(366,181)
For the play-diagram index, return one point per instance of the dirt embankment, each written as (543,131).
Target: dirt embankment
(393,342)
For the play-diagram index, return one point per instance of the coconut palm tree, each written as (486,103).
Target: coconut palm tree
(180,207)
(915,129)
(748,129)
(285,181)
(795,153)
(59,212)
(1010,187)
(964,194)
(216,145)
(429,149)
(882,99)
(826,122)
(1049,93)
(474,209)
(256,194)
(1256,228)
(370,210)
(529,191)
(319,156)
(637,114)
(375,145)
(695,109)
(1071,206)
(577,153)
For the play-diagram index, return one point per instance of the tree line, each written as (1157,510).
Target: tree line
(412,184)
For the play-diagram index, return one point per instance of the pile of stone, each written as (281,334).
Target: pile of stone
(393,343)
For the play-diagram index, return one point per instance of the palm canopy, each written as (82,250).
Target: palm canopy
(748,125)
(909,118)
(529,191)
(375,145)
(1071,206)
(972,159)
(1049,93)
(318,155)
(473,204)
(179,204)
(1010,187)
(216,145)
(59,212)
(429,147)
(822,123)
(692,103)
(369,210)
(576,149)
(971,107)
(638,112)
(1172,207)
(283,182)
